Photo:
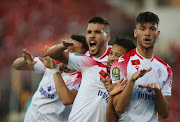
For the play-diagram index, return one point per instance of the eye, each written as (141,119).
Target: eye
(89,31)
(98,31)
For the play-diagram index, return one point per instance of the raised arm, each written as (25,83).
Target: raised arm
(24,63)
(67,96)
(122,100)
(57,51)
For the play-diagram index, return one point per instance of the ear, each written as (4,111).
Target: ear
(158,33)
(135,33)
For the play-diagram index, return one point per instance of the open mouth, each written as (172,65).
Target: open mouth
(147,41)
(92,45)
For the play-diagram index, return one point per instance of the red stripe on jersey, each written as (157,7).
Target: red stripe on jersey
(138,54)
(78,78)
(101,64)
(107,53)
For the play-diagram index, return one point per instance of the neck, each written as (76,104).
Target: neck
(101,52)
(146,53)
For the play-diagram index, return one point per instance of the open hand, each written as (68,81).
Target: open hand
(47,61)
(140,73)
(28,57)
(117,87)
(154,86)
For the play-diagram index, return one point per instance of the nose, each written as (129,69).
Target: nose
(112,58)
(147,33)
(92,35)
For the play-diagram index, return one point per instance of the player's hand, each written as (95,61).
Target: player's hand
(28,57)
(154,86)
(47,61)
(139,74)
(68,43)
(107,82)
(117,87)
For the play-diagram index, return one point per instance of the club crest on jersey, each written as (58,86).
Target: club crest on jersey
(116,73)
(159,73)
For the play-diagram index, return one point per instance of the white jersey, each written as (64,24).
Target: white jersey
(104,58)
(91,101)
(142,103)
(46,105)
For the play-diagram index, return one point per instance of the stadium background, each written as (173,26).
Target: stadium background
(32,24)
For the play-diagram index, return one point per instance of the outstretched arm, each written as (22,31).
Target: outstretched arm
(67,96)
(162,102)
(122,100)
(57,51)
(24,63)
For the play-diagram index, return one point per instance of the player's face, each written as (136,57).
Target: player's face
(96,39)
(146,34)
(115,52)
(76,48)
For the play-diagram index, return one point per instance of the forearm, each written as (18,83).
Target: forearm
(121,100)
(111,115)
(67,96)
(21,64)
(162,104)
(56,51)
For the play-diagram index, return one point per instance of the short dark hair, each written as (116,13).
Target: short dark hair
(125,42)
(147,17)
(100,20)
(81,39)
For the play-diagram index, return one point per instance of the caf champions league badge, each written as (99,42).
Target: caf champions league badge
(116,73)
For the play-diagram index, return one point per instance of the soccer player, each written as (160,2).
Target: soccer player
(144,98)
(46,104)
(97,37)
(91,100)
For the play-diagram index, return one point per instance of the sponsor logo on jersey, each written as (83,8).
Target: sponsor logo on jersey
(44,93)
(121,60)
(116,74)
(105,95)
(49,88)
(148,96)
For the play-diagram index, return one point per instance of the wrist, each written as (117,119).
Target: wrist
(56,69)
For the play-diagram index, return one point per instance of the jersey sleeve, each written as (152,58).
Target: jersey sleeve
(39,66)
(77,81)
(79,62)
(166,89)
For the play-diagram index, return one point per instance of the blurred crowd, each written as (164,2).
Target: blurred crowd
(32,24)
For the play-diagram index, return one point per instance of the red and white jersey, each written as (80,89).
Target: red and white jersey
(104,58)
(142,103)
(46,105)
(91,101)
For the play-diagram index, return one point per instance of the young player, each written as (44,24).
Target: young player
(144,98)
